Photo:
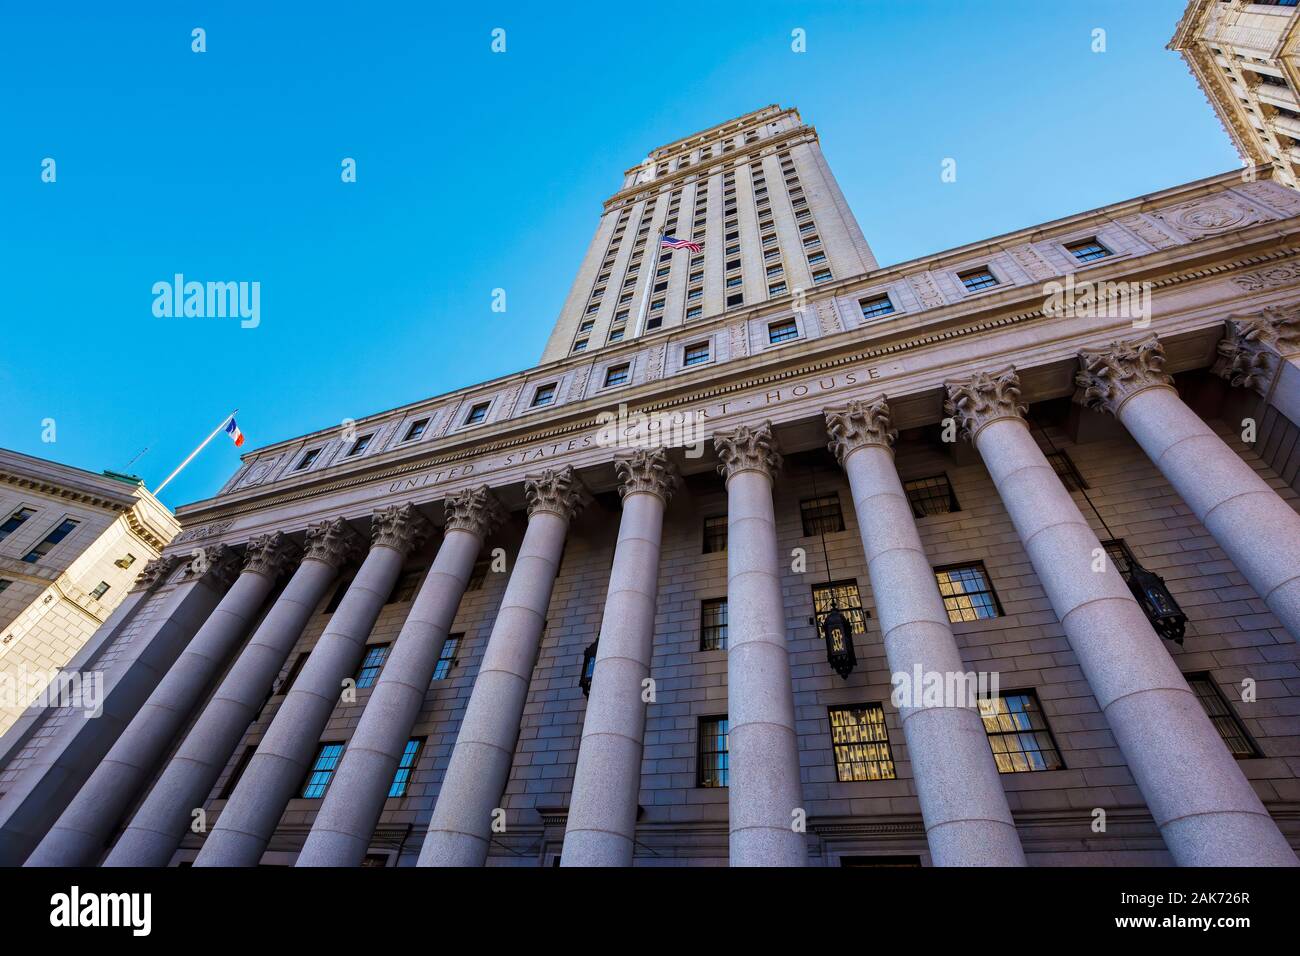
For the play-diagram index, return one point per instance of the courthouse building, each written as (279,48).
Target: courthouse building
(663,599)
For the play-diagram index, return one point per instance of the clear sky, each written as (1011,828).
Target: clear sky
(478,171)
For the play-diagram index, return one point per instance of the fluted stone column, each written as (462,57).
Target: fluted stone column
(355,799)
(460,830)
(764,790)
(78,838)
(964,808)
(153,574)
(285,753)
(602,811)
(166,814)
(65,761)
(1261,352)
(1207,812)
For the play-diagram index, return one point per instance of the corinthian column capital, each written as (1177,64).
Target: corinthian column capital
(646,470)
(1108,377)
(983,398)
(155,571)
(748,449)
(217,564)
(1252,344)
(475,510)
(557,492)
(857,425)
(333,542)
(271,555)
(400,527)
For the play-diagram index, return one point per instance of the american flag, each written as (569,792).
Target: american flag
(672,242)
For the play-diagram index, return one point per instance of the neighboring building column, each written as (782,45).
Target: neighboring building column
(78,838)
(964,808)
(66,760)
(153,574)
(166,814)
(285,753)
(461,828)
(1257,529)
(764,790)
(1208,814)
(1262,352)
(355,799)
(602,811)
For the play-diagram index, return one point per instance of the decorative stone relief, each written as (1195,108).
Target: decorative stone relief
(646,470)
(400,527)
(858,424)
(1209,217)
(748,448)
(1034,265)
(827,318)
(217,564)
(739,340)
(207,531)
(1149,232)
(155,572)
(927,290)
(1110,376)
(983,398)
(1248,352)
(578,385)
(475,510)
(1283,273)
(558,492)
(1270,194)
(655,363)
(271,555)
(334,543)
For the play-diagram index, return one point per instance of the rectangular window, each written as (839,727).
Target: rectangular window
(15,521)
(544,395)
(580,345)
(1089,250)
(322,771)
(696,354)
(783,331)
(967,592)
(822,275)
(358,446)
(715,534)
(735,300)
(100,590)
(477,413)
(776,289)
(410,754)
(977,279)
(1223,717)
(371,665)
(447,656)
(712,765)
(4,584)
(587,326)
(861,743)
(877,306)
(54,537)
(1018,733)
(617,375)
(821,515)
(843,595)
(816,257)
(654,322)
(695,312)
(1065,470)
(307,460)
(416,429)
(931,496)
(713,625)
(238,772)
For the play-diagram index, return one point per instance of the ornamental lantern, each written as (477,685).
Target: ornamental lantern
(1161,609)
(588,667)
(838,631)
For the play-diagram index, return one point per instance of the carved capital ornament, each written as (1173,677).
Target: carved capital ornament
(748,448)
(646,470)
(155,572)
(216,564)
(556,491)
(1108,377)
(1250,348)
(983,398)
(475,510)
(400,527)
(271,555)
(858,425)
(333,542)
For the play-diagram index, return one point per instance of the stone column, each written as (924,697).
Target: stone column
(764,790)
(154,573)
(1259,531)
(1207,812)
(602,811)
(1262,352)
(166,814)
(355,799)
(65,761)
(964,808)
(461,827)
(78,838)
(285,753)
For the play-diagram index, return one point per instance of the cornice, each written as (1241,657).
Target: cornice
(55,490)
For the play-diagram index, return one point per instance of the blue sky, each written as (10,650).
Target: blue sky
(477,171)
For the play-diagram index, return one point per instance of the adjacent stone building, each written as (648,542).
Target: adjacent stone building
(987,557)
(72,544)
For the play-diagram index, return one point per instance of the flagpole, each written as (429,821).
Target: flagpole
(649,287)
(202,446)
